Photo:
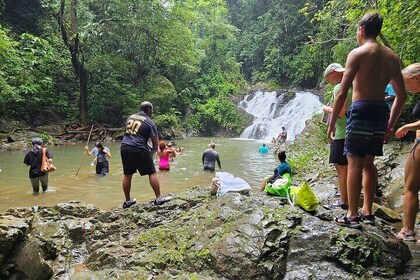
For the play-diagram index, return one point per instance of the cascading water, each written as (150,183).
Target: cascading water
(270,114)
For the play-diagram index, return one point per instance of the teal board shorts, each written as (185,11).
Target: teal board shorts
(366,127)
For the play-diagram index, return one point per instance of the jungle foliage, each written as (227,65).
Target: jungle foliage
(94,61)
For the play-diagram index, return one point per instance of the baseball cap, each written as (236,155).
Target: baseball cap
(333,67)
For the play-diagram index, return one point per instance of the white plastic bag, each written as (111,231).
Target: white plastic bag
(230,183)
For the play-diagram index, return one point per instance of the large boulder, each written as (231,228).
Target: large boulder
(196,236)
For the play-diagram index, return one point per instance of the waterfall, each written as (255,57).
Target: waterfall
(270,114)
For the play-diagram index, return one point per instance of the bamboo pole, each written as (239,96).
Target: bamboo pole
(84,152)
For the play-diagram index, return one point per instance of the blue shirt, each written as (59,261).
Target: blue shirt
(390,92)
(263,150)
(283,168)
(100,157)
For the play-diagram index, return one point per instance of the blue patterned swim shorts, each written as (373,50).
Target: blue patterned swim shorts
(366,127)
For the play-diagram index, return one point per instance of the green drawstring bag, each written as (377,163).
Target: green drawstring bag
(304,196)
(280,190)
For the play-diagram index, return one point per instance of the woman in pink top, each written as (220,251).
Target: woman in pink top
(165,154)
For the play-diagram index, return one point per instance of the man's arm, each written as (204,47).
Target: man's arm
(155,143)
(202,159)
(218,162)
(339,101)
(397,83)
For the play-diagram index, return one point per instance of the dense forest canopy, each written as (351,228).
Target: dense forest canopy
(94,61)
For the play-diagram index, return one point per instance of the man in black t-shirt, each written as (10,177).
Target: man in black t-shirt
(137,155)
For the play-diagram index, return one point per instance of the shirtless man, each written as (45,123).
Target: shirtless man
(369,67)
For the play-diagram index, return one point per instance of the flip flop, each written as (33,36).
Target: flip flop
(348,222)
(406,235)
(336,205)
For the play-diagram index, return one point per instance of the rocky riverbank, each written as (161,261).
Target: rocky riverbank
(196,236)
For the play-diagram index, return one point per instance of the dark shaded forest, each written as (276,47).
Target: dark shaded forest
(94,61)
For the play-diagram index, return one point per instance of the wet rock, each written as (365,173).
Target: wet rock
(386,213)
(230,237)
(13,231)
(27,262)
(76,209)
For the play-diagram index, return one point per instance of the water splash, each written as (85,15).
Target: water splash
(270,114)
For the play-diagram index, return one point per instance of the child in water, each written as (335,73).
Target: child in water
(165,154)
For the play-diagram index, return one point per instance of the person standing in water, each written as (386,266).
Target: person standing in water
(411,76)
(136,155)
(369,68)
(210,157)
(101,157)
(263,149)
(34,160)
(165,154)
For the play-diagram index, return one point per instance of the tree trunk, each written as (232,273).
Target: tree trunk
(83,106)
(77,60)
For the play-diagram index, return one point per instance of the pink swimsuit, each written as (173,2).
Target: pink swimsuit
(164,162)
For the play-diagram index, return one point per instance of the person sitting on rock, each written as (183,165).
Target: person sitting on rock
(282,137)
(282,169)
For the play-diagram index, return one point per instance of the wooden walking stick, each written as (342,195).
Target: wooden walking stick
(84,152)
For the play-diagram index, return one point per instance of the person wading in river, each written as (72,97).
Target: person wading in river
(34,160)
(210,157)
(102,154)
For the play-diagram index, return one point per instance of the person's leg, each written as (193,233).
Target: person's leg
(370,181)
(411,190)
(354,184)
(342,182)
(35,185)
(264,182)
(104,168)
(154,183)
(127,186)
(44,182)
(98,168)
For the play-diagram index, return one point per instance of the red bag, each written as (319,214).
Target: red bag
(46,166)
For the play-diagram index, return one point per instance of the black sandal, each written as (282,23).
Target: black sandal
(367,219)
(348,222)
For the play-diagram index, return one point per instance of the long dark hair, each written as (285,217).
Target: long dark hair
(99,146)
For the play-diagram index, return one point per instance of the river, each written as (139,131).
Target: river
(238,156)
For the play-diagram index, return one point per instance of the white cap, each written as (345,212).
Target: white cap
(333,67)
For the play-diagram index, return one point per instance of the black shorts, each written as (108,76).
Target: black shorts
(337,152)
(137,159)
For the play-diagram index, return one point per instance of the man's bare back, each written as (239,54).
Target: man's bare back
(375,66)
(369,68)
